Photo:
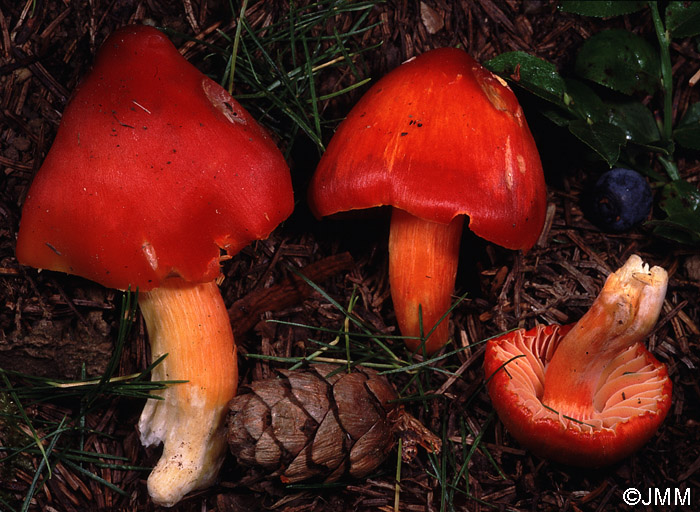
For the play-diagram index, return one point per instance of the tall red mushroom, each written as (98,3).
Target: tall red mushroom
(587,394)
(438,138)
(155,170)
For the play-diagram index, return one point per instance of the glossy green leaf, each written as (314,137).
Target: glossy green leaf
(683,18)
(620,60)
(687,133)
(557,116)
(681,202)
(604,138)
(532,73)
(682,228)
(635,120)
(680,197)
(601,8)
(663,148)
(583,102)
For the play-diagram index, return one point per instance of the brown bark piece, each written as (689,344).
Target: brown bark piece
(246,312)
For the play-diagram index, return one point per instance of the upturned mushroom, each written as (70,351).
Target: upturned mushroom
(438,138)
(154,172)
(587,394)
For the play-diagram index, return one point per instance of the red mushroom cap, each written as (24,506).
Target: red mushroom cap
(155,169)
(636,397)
(438,137)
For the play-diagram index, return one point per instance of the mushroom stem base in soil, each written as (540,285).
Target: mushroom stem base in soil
(190,324)
(587,394)
(423,258)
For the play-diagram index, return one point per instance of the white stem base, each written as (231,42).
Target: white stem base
(190,324)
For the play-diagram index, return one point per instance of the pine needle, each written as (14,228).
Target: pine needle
(397,485)
(279,66)
(63,441)
(236,41)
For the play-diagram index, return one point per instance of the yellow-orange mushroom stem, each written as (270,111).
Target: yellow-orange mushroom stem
(190,324)
(423,258)
(622,315)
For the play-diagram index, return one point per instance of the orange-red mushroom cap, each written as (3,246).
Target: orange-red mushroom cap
(154,170)
(634,399)
(438,136)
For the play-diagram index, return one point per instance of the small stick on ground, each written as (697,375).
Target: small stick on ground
(245,313)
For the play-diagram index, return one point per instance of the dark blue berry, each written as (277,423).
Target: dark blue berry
(620,199)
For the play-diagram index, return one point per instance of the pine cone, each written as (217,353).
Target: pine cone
(305,425)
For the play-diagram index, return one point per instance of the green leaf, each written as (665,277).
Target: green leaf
(670,167)
(557,116)
(583,102)
(679,197)
(687,133)
(660,147)
(683,18)
(679,229)
(635,120)
(620,60)
(681,202)
(601,8)
(531,73)
(604,138)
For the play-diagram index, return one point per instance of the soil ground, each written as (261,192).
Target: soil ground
(53,324)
